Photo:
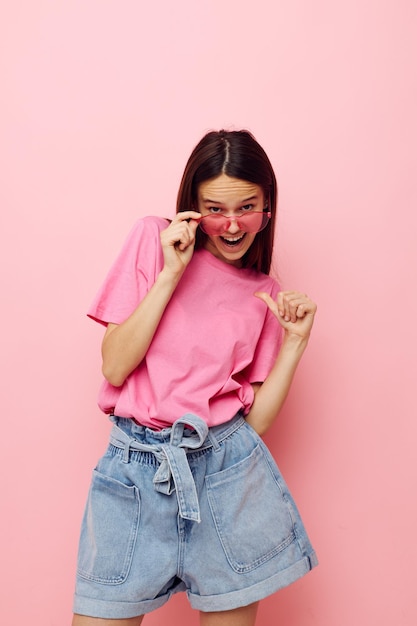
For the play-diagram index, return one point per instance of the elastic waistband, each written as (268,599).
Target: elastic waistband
(186,426)
(170,447)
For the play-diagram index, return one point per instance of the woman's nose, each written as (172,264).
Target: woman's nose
(233,226)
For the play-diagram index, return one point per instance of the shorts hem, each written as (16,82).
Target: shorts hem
(104,609)
(107,609)
(254,593)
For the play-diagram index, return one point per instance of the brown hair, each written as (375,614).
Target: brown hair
(238,155)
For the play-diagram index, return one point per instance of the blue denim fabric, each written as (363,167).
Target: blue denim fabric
(191,509)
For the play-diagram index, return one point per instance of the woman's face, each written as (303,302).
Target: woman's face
(229,196)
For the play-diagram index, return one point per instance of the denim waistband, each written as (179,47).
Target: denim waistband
(174,473)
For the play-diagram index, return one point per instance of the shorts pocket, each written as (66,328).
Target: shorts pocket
(109,530)
(250,512)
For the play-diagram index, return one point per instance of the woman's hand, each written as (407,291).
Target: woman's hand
(178,241)
(294,311)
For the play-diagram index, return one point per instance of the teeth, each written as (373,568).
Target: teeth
(233,238)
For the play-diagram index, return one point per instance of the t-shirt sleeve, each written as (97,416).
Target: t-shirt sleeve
(131,275)
(267,347)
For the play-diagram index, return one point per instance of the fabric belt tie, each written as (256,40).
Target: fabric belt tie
(174,473)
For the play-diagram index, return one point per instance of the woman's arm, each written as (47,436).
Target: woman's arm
(125,345)
(295,312)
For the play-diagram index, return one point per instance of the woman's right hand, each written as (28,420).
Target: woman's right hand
(178,241)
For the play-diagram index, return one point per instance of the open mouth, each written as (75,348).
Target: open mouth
(233,241)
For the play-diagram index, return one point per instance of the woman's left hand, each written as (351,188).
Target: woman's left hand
(294,311)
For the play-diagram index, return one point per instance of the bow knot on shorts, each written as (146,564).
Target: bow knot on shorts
(174,472)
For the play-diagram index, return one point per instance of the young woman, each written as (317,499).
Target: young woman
(199,353)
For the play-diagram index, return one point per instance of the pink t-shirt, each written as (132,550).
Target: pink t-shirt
(214,339)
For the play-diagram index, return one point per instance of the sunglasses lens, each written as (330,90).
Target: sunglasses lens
(214,224)
(252,222)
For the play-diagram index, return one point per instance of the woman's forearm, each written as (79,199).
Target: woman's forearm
(125,345)
(271,395)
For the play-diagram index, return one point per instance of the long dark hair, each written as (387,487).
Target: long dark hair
(238,155)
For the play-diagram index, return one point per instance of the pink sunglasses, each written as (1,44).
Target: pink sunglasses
(250,222)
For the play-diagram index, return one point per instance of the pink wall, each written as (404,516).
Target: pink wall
(101,103)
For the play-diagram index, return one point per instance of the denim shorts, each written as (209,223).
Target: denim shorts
(187,508)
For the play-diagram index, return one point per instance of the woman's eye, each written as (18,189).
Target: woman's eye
(215,209)
(247,207)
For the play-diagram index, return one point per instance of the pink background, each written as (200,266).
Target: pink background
(101,103)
